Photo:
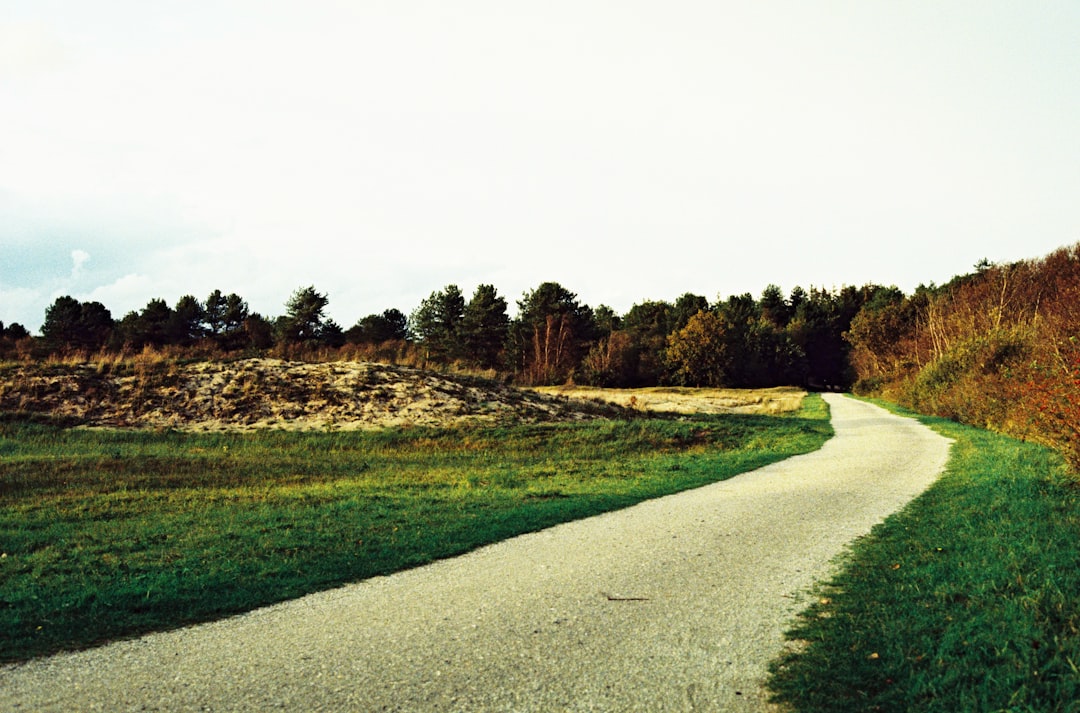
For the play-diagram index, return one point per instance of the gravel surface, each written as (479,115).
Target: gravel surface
(676,604)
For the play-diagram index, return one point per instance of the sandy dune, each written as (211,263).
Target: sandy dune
(270,393)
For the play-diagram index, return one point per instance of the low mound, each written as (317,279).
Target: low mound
(270,393)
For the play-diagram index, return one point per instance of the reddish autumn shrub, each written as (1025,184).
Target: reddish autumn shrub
(999,349)
(1053,403)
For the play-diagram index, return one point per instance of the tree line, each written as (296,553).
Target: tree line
(998,347)
(775,339)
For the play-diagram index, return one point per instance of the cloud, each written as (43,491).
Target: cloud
(124,295)
(19,303)
(79,258)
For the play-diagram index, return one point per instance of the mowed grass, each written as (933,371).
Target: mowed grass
(968,600)
(108,534)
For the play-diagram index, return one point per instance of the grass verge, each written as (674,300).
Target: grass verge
(107,534)
(967,600)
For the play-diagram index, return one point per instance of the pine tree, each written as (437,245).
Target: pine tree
(484,327)
(304,320)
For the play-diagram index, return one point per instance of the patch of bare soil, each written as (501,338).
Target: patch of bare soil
(270,393)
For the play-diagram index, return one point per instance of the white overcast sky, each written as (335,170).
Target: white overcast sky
(381,150)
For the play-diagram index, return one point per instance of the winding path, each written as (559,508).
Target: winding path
(674,604)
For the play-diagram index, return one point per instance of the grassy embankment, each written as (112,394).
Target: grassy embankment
(968,600)
(105,534)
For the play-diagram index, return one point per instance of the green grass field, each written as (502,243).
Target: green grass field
(968,600)
(107,534)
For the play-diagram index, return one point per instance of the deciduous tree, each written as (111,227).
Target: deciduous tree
(611,362)
(698,352)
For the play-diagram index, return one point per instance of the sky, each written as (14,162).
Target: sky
(380,150)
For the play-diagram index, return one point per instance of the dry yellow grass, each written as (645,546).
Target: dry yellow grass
(678,399)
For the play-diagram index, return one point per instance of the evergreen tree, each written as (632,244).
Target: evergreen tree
(214,312)
(186,325)
(234,316)
(686,307)
(648,325)
(436,324)
(76,325)
(152,327)
(332,334)
(739,315)
(484,327)
(258,332)
(63,323)
(391,325)
(774,308)
(606,320)
(551,334)
(396,325)
(304,321)
(16,331)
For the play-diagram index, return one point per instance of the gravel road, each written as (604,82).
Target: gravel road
(676,604)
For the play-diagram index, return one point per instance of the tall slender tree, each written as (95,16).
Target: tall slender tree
(551,333)
(214,312)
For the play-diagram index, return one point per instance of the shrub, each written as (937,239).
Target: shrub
(972,382)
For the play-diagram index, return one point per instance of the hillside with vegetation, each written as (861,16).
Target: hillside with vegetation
(999,348)
(996,348)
